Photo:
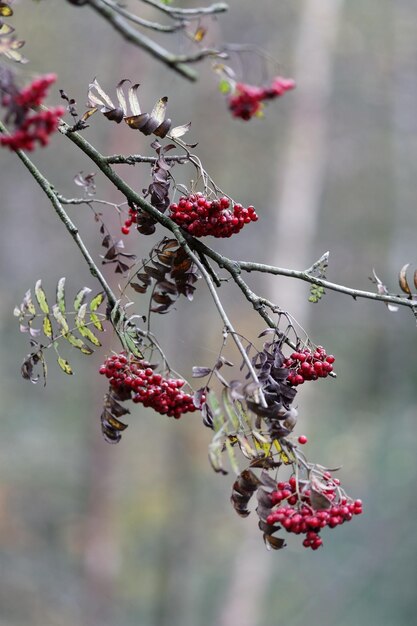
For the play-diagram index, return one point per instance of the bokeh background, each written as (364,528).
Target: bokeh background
(143,533)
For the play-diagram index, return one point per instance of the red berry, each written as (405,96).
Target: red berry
(302,439)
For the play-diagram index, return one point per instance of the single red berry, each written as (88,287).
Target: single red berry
(302,439)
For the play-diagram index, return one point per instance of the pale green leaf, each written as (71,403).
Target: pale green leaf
(232,457)
(82,328)
(60,295)
(60,319)
(28,303)
(41,297)
(80,297)
(230,411)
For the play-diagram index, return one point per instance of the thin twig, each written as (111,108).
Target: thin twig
(90,151)
(117,159)
(233,267)
(218,7)
(142,22)
(142,41)
(321,282)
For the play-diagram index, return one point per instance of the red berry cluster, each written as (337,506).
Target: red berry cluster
(34,94)
(308,365)
(299,517)
(247,100)
(31,127)
(136,377)
(200,216)
(35,128)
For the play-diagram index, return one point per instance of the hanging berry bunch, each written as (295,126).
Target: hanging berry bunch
(200,216)
(30,126)
(307,507)
(136,379)
(307,365)
(247,100)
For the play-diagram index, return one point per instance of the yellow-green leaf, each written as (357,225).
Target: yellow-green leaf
(5,10)
(60,318)
(287,459)
(41,297)
(47,327)
(96,321)
(14,55)
(131,346)
(77,343)
(218,417)
(82,328)
(230,412)
(96,301)
(5,29)
(65,366)
(80,297)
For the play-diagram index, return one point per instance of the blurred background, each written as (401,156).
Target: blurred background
(143,532)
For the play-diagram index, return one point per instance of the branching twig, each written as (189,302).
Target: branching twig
(321,282)
(234,268)
(119,159)
(142,41)
(142,22)
(218,7)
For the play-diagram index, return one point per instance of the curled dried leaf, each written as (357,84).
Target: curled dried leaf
(402,278)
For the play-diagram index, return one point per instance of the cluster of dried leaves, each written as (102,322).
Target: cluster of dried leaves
(170,273)
(153,123)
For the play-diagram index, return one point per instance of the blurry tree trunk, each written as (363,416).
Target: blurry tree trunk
(404,122)
(404,163)
(298,207)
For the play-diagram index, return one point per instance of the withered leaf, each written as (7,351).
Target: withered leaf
(276,543)
(133,99)
(403,279)
(138,288)
(318,500)
(200,372)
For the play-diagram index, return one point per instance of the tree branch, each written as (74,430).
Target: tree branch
(142,22)
(234,268)
(117,159)
(321,282)
(218,7)
(144,42)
